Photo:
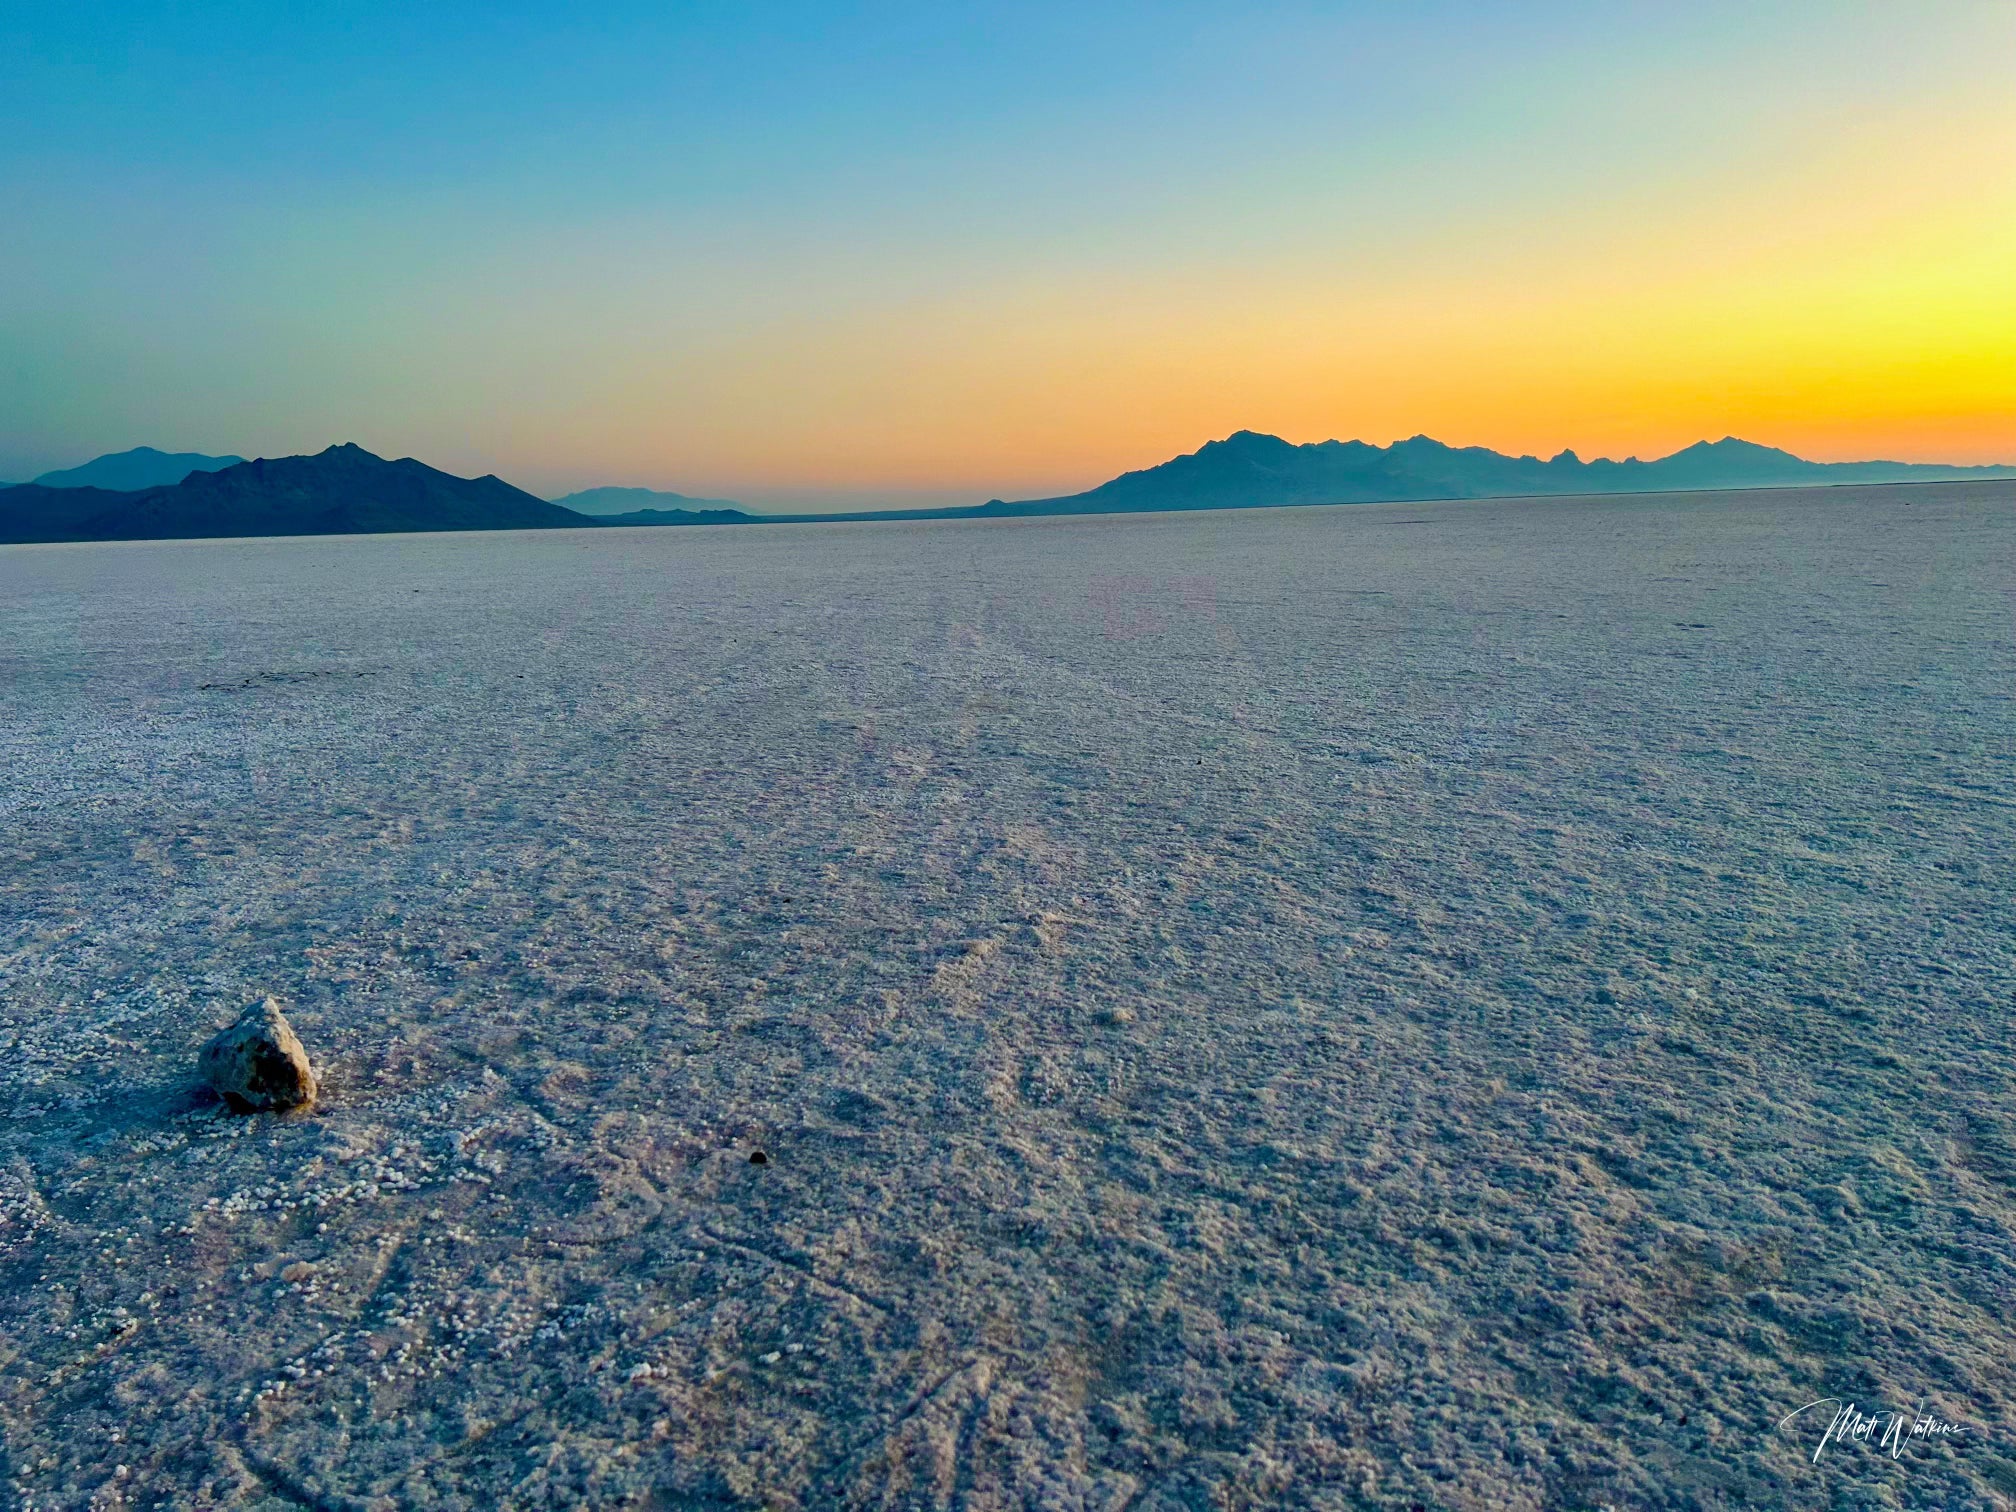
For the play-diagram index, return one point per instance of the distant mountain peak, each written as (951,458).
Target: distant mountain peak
(131,471)
(1732,446)
(1246,442)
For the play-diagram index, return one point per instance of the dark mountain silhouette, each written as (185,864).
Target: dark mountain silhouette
(342,491)
(630,501)
(142,467)
(1249,470)
(30,512)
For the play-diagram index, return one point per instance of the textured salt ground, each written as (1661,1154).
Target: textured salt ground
(1473,1006)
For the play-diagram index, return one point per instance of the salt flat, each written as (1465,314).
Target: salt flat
(1464,1006)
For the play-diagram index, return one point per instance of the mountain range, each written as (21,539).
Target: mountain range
(1250,470)
(342,491)
(142,467)
(346,490)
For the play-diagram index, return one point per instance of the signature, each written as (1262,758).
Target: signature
(1891,1432)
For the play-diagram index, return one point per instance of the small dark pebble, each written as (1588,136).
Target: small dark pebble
(757,1157)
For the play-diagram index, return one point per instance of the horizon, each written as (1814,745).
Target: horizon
(815,259)
(867,500)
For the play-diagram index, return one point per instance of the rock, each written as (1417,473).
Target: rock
(258,1065)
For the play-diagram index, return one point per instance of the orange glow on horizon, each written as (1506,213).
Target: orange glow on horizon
(1833,332)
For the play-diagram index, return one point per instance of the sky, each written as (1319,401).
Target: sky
(821,254)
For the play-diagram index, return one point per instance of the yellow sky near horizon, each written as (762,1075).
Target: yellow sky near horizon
(1863,307)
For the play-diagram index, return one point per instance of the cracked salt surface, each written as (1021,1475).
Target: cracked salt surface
(1241,1009)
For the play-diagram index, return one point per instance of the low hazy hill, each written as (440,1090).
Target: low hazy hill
(630,501)
(342,491)
(680,517)
(142,467)
(1248,470)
